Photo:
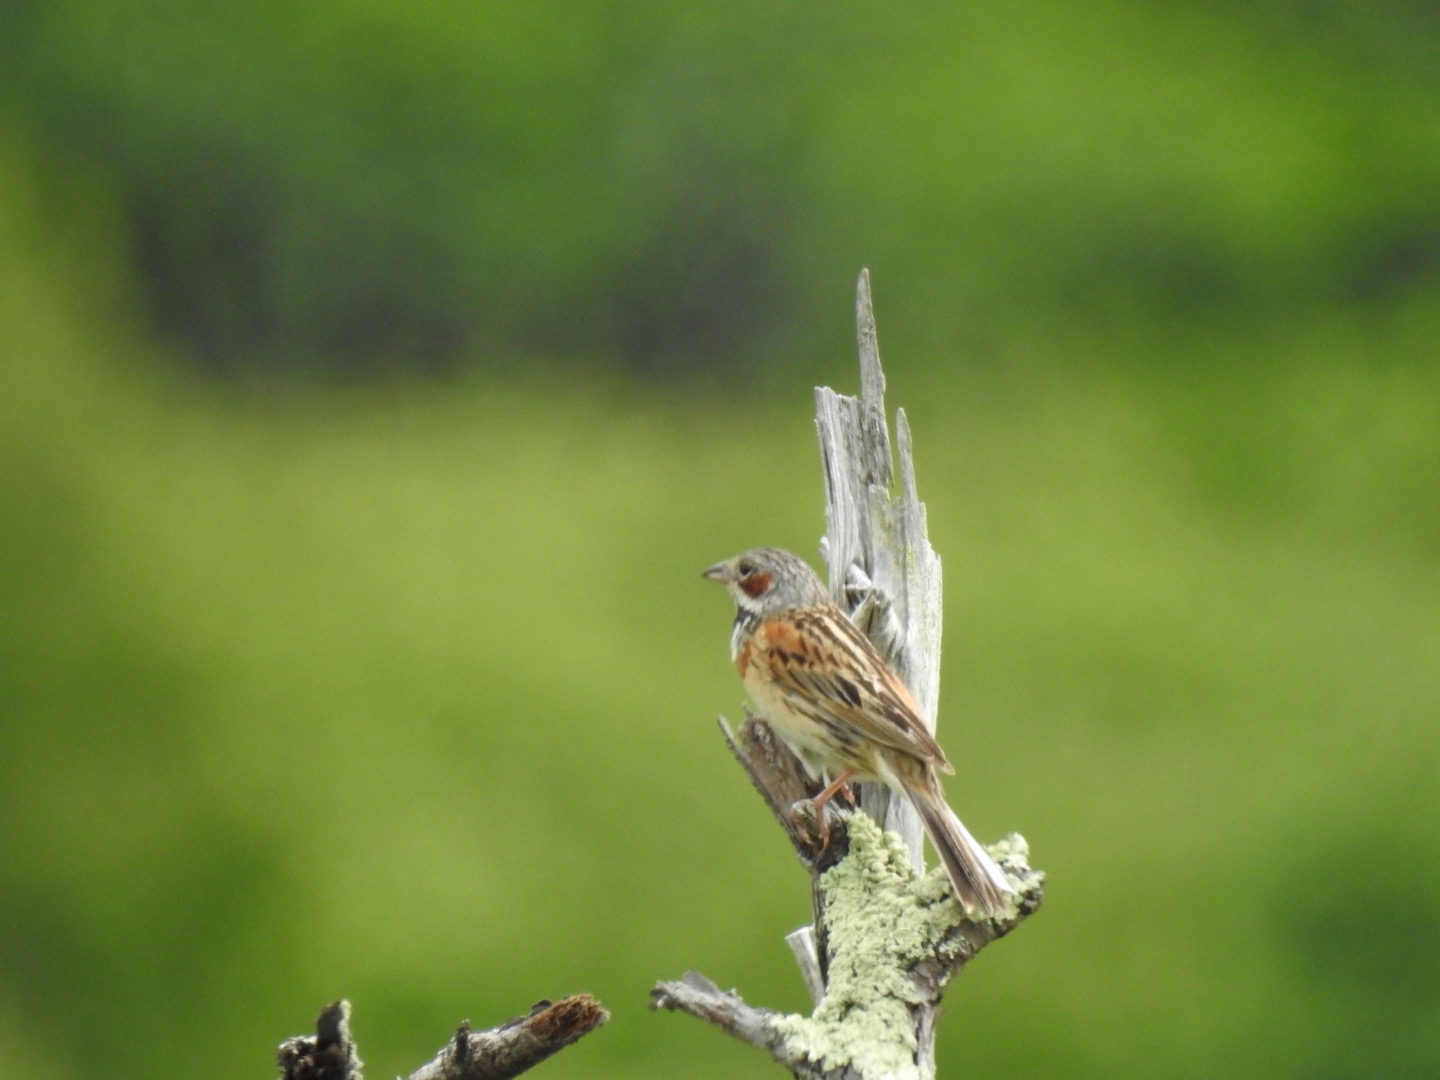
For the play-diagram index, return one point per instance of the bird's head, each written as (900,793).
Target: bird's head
(767,581)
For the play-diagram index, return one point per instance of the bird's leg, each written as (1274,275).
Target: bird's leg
(819,801)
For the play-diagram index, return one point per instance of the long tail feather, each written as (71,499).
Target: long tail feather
(979,883)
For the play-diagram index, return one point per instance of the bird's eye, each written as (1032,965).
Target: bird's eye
(746,567)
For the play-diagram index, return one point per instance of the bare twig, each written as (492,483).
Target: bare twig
(516,1045)
(781,781)
(804,946)
(329,1054)
(496,1054)
(698,996)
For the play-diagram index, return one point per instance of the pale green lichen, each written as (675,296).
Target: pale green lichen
(883,920)
(1014,852)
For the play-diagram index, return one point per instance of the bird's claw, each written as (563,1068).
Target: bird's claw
(872,609)
(814,826)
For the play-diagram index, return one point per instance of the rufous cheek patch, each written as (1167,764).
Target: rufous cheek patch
(757,584)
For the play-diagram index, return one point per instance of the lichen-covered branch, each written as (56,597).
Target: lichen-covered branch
(896,939)
(496,1054)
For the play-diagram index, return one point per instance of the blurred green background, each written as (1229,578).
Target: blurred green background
(376,379)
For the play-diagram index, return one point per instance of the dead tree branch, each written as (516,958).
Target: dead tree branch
(496,1054)
(887,936)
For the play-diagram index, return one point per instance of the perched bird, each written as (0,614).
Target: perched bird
(827,693)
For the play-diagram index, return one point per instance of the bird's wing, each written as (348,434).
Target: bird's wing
(820,661)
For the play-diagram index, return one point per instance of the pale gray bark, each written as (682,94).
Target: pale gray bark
(882,567)
(887,937)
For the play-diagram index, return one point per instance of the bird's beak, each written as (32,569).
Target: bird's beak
(719,572)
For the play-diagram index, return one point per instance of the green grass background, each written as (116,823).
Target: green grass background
(402,688)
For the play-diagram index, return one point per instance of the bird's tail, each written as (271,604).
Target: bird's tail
(980,884)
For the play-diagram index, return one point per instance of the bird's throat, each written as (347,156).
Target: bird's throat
(745,623)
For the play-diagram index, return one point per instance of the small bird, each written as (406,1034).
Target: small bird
(827,693)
